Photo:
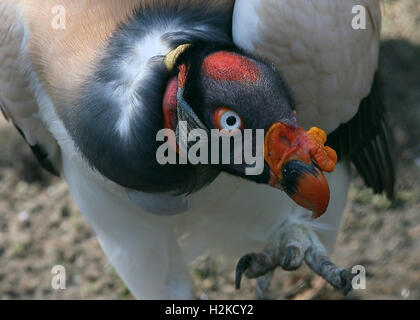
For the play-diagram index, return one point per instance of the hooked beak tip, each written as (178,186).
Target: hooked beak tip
(306,185)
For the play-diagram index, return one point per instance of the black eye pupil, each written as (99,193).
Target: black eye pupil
(231,121)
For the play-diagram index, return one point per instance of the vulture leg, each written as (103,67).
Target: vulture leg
(292,244)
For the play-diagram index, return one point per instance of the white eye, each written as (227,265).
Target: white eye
(230,121)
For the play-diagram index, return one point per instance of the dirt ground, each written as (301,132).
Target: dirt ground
(40,226)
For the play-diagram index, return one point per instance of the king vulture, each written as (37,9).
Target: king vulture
(89,84)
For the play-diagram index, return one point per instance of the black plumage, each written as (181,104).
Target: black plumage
(366,140)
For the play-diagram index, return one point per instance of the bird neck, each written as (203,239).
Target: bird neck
(120,110)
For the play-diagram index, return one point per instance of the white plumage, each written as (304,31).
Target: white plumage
(328,65)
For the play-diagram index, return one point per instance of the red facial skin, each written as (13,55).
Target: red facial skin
(169,103)
(229,66)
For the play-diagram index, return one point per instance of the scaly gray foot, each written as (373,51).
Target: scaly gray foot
(291,245)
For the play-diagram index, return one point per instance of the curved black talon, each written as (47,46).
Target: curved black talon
(243,264)
(341,281)
(346,279)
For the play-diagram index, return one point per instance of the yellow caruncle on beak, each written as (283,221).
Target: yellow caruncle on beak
(297,158)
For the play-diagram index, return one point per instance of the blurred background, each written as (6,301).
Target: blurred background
(40,226)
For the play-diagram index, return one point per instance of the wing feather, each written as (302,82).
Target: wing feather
(328,65)
(367,141)
(17,102)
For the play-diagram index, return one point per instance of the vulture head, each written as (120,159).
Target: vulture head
(225,91)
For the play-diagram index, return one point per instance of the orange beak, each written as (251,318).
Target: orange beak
(296,159)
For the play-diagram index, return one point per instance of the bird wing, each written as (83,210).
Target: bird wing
(17,102)
(330,68)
